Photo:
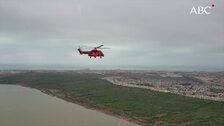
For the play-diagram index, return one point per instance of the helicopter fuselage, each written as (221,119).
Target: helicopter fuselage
(93,53)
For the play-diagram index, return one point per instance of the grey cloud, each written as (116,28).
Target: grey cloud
(143,32)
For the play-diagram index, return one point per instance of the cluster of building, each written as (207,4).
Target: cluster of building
(206,85)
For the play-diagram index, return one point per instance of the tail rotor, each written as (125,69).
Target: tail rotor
(79,49)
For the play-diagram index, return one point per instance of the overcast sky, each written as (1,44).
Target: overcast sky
(139,32)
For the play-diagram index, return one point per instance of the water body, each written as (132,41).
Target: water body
(21,106)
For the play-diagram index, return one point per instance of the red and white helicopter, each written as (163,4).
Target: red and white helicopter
(95,52)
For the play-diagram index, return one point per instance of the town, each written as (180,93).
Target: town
(205,85)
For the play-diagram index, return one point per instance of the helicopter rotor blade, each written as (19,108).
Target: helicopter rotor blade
(104,48)
(98,46)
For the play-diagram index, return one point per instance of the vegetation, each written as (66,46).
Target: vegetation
(149,107)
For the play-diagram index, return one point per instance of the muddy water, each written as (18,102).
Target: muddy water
(21,106)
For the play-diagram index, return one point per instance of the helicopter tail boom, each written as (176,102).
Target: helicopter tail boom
(82,52)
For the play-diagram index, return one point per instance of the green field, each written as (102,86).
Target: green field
(150,106)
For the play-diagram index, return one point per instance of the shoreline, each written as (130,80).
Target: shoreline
(64,96)
(88,106)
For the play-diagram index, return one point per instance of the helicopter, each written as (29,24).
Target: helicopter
(95,52)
